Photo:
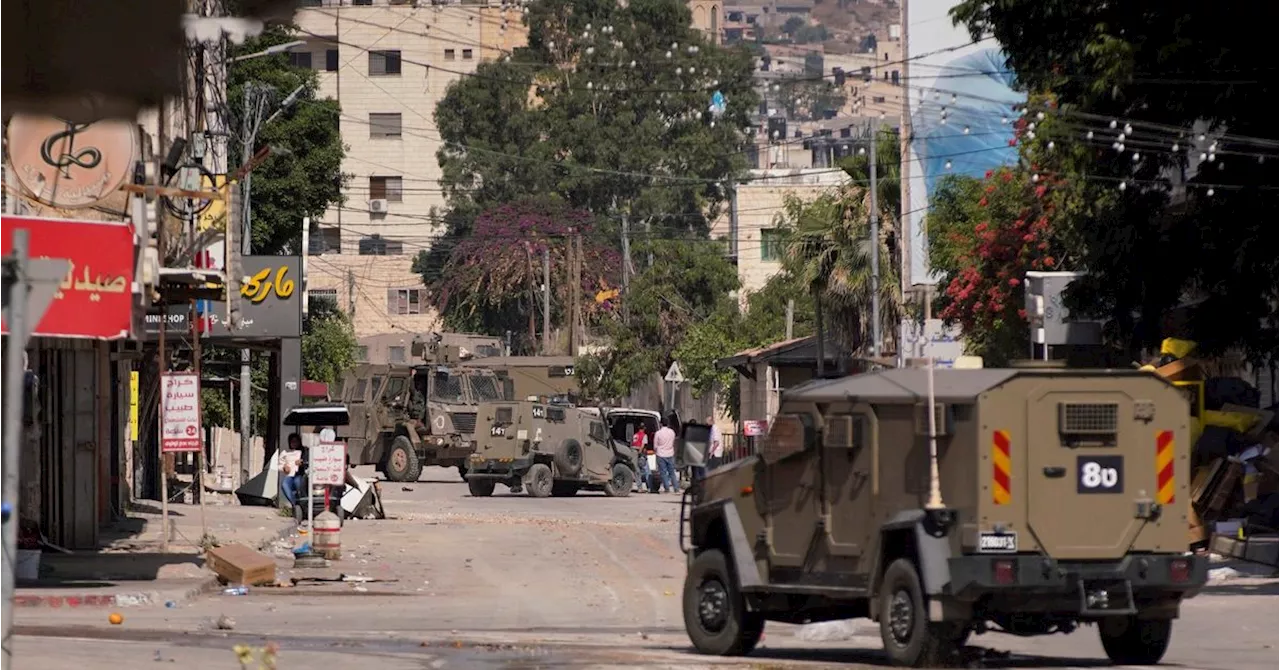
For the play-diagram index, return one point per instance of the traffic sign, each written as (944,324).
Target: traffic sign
(674,375)
(43,277)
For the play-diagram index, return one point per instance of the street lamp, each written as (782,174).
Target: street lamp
(270,51)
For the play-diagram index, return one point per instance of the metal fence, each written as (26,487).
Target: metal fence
(738,446)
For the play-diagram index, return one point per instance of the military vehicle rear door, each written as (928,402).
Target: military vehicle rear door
(1087,465)
(793,492)
(357,400)
(848,447)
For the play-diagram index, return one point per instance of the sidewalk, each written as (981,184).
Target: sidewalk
(131,570)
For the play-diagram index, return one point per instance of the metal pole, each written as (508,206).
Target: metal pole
(546,301)
(935,481)
(200,461)
(246,398)
(164,475)
(14,376)
(791,317)
(875,254)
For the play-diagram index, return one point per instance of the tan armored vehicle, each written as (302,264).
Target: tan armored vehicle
(1062,502)
(553,450)
(406,417)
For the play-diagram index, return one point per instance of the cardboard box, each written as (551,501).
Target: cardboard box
(238,564)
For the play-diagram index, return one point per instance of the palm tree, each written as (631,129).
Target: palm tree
(828,250)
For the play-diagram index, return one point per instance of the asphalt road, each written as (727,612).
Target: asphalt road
(513,582)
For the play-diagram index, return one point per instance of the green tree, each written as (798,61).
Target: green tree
(793,25)
(1183,67)
(303,176)
(328,343)
(806,99)
(604,108)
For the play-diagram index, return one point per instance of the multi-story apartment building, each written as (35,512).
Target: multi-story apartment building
(388,63)
(873,79)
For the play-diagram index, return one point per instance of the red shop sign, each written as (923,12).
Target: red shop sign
(95,300)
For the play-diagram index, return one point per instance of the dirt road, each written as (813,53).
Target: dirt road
(510,581)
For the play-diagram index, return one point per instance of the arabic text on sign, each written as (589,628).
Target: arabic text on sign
(328,463)
(95,285)
(260,285)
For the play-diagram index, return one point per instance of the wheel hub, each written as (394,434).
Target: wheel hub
(713,606)
(901,617)
(399,460)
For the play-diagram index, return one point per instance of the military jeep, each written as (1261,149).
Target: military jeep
(1061,500)
(548,450)
(406,417)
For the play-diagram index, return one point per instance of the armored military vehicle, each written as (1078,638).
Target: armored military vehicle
(406,417)
(1060,500)
(553,450)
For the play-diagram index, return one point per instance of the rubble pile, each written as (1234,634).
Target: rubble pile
(1233,457)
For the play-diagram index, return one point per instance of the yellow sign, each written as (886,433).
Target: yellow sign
(133,406)
(261,285)
(215,215)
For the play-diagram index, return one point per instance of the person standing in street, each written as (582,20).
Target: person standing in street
(715,452)
(640,442)
(664,443)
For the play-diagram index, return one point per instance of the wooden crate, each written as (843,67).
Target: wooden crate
(238,564)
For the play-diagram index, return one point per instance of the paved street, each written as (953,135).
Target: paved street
(513,582)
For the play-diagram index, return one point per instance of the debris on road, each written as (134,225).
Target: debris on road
(832,631)
(238,564)
(225,622)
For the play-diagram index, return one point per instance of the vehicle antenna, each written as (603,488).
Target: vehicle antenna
(935,483)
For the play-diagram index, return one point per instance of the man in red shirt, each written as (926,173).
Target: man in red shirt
(640,442)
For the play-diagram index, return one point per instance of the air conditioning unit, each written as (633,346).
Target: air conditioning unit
(378,206)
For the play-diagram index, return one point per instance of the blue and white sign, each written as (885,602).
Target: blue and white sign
(717,103)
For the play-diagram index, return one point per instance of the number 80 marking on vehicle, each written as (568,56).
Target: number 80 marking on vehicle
(1100,474)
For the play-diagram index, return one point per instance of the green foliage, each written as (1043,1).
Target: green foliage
(328,343)
(215,408)
(689,283)
(1153,248)
(793,24)
(808,99)
(488,283)
(303,176)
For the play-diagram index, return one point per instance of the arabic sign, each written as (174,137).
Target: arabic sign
(328,463)
(95,299)
(755,428)
(180,413)
(941,342)
(271,307)
(71,165)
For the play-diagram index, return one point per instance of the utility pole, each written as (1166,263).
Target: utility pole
(648,233)
(875,251)
(626,269)
(791,317)
(351,296)
(546,301)
(255,105)
(569,311)
(578,323)
(14,378)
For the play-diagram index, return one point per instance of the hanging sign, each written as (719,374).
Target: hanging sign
(180,413)
(328,463)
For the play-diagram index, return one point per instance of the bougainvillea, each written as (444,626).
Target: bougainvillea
(492,280)
(985,235)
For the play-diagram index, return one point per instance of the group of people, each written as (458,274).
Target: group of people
(660,454)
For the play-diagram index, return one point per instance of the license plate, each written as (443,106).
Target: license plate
(998,543)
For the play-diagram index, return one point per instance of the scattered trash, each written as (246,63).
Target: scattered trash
(357,578)
(1219,575)
(360,589)
(225,622)
(169,604)
(115,618)
(236,591)
(668,592)
(407,488)
(831,631)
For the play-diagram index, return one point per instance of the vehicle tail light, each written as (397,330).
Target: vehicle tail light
(1005,572)
(1180,570)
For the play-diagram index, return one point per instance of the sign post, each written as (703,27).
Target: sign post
(179,429)
(674,377)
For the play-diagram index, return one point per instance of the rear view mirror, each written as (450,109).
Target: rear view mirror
(695,441)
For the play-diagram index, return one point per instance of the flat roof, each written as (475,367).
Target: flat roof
(912,384)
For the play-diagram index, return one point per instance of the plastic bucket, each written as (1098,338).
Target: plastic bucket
(28,565)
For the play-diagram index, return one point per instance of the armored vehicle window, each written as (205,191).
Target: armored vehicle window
(362,385)
(555,414)
(502,415)
(447,388)
(789,435)
(395,389)
(485,388)
(597,431)
(338,387)
(375,386)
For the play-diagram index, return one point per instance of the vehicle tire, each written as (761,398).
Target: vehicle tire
(564,489)
(568,458)
(462,471)
(620,484)
(1134,641)
(909,637)
(481,488)
(402,461)
(538,481)
(715,613)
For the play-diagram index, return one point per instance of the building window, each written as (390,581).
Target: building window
(377,245)
(390,189)
(401,301)
(300,59)
(878,99)
(771,244)
(362,355)
(322,297)
(395,354)
(331,60)
(383,63)
(893,77)
(362,3)
(466,54)
(384,126)
(449,54)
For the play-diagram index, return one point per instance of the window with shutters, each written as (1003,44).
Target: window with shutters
(377,245)
(450,54)
(466,54)
(384,63)
(331,60)
(300,59)
(390,189)
(402,301)
(384,125)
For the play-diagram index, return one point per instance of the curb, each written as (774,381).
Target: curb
(138,598)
